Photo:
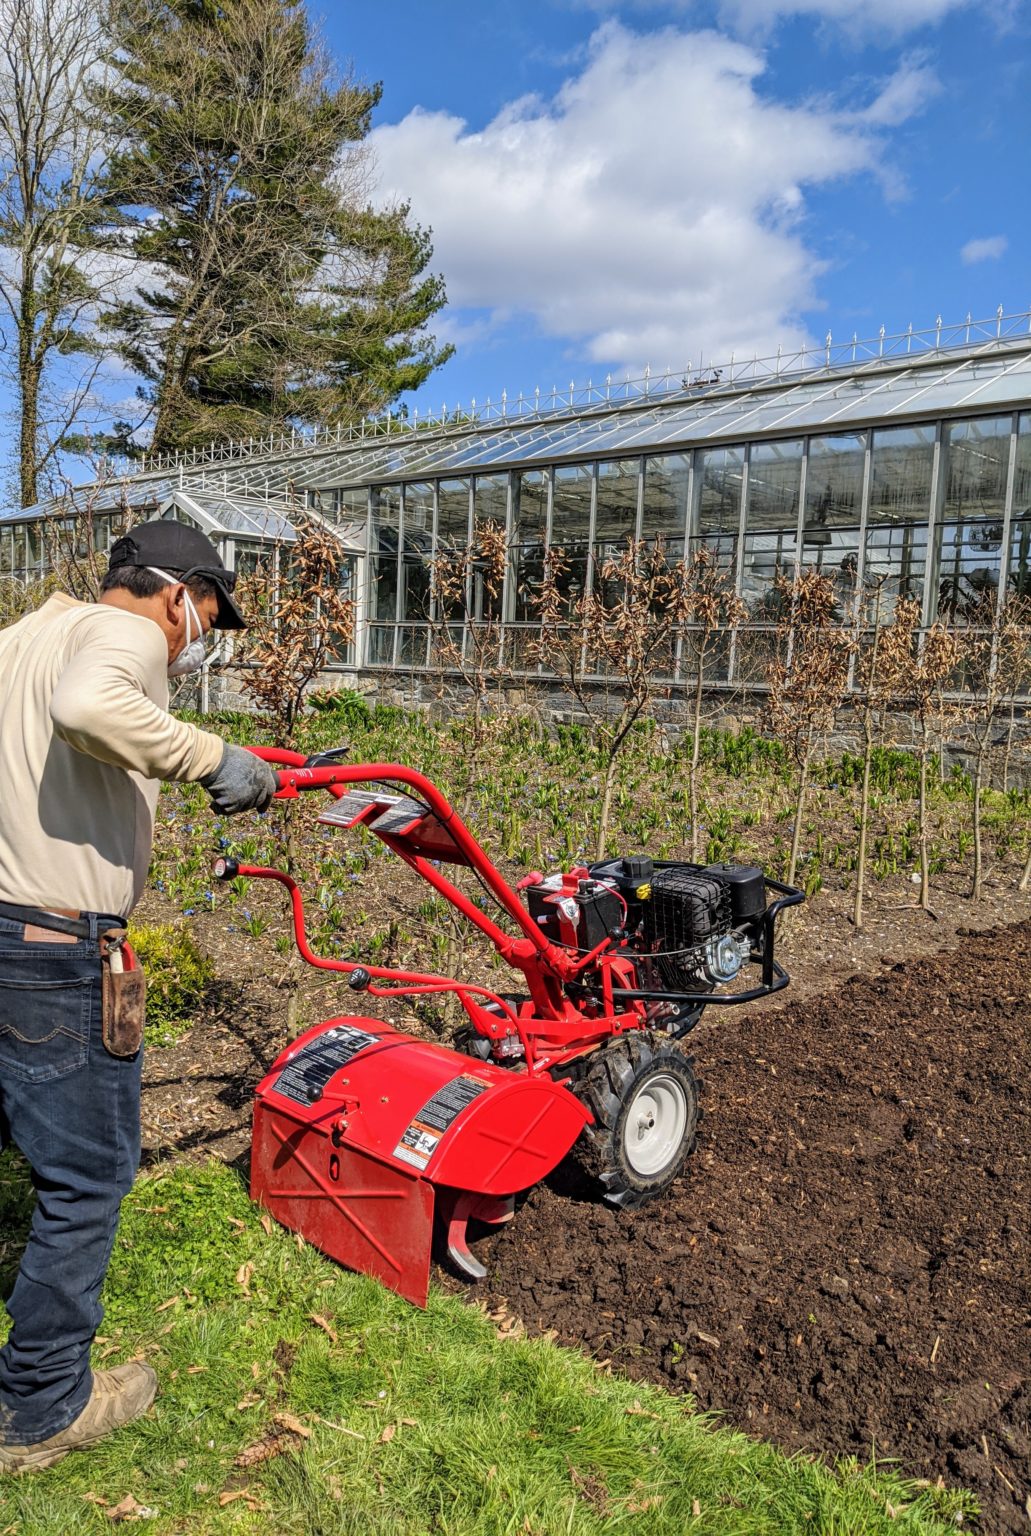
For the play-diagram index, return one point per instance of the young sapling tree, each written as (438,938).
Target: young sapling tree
(467,635)
(808,680)
(612,645)
(713,608)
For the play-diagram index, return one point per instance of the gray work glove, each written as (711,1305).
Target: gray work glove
(241,782)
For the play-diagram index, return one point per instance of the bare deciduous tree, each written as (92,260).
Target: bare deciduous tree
(931,665)
(713,608)
(300,620)
(994,650)
(808,679)
(880,671)
(59,258)
(466,634)
(301,615)
(613,645)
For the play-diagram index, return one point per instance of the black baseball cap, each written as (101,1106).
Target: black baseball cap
(185,553)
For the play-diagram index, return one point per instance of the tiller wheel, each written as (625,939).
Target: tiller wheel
(366,1140)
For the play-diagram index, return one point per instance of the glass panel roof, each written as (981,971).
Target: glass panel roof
(236,488)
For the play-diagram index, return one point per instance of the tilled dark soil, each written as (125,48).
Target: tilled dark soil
(845,1267)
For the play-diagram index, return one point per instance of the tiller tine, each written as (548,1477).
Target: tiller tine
(456,1211)
(360,1130)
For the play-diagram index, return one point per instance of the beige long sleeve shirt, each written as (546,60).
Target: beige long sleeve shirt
(85,738)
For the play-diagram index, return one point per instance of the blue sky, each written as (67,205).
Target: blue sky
(613,185)
(619,183)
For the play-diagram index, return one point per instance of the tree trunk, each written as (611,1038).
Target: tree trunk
(1025,879)
(1011,728)
(976,879)
(606,805)
(803,784)
(925,878)
(696,752)
(28,408)
(864,816)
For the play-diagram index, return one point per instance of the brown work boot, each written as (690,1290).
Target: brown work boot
(118,1397)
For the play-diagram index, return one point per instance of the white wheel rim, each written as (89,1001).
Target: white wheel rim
(655,1125)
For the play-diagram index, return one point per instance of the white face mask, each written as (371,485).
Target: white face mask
(194,653)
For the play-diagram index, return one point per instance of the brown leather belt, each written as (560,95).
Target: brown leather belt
(60,921)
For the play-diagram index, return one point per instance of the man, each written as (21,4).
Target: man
(85,738)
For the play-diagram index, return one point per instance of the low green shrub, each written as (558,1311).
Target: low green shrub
(179,973)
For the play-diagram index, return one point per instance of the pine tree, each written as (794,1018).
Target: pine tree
(274,293)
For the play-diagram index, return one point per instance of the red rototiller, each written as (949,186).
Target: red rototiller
(363,1134)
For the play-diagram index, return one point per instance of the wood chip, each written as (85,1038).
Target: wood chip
(244,1276)
(266,1223)
(325,1324)
(291,1422)
(387,1434)
(173,1301)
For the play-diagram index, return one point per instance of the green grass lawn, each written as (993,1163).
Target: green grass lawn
(296,1397)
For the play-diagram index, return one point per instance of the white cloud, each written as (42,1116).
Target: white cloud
(889,18)
(989,249)
(654,210)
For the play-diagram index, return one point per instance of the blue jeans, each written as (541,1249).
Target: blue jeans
(74,1111)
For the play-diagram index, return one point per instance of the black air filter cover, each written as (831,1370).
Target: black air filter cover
(689,906)
(747,889)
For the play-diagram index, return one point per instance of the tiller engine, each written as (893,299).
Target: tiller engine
(366,1137)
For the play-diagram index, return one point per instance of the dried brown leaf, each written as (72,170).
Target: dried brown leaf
(128,1509)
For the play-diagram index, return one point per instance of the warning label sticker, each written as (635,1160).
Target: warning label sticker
(305,1075)
(422,1137)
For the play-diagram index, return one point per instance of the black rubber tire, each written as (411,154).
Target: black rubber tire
(609,1081)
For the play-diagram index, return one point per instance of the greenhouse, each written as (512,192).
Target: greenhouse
(901,465)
